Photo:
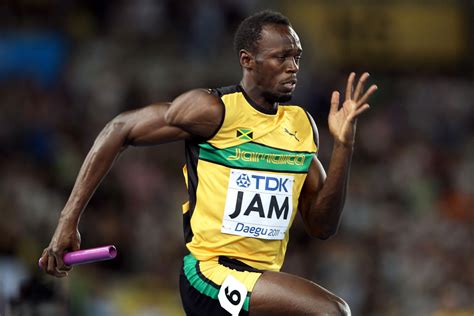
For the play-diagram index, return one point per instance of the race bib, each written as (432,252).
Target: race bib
(232,295)
(258,205)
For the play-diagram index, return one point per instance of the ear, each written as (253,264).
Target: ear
(247,59)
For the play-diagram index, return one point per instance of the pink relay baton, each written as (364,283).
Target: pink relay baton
(88,255)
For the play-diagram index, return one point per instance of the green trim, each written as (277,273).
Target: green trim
(195,280)
(245,307)
(255,156)
(257,169)
(203,285)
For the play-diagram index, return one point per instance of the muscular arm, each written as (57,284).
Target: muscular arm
(196,113)
(146,125)
(322,198)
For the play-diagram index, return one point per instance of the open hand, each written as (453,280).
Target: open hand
(342,121)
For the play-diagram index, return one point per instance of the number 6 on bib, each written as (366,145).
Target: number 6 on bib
(232,295)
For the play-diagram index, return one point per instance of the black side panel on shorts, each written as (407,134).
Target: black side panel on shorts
(236,265)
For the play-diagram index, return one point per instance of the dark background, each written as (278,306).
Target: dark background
(405,246)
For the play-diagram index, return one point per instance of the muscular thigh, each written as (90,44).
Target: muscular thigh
(278,293)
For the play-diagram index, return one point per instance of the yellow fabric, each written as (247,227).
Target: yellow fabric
(245,125)
(267,129)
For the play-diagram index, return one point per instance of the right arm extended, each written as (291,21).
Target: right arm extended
(196,113)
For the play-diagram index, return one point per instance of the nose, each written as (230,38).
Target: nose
(293,65)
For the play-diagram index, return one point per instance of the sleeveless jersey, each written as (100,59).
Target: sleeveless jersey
(244,182)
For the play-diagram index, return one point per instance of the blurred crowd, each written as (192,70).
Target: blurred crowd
(406,242)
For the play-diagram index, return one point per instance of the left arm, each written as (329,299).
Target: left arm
(322,198)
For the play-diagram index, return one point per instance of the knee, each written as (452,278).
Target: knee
(334,307)
(340,308)
(343,308)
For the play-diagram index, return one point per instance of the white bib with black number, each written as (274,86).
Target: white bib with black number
(258,205)
(232,295)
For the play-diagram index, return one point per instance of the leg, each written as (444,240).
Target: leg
(277,293)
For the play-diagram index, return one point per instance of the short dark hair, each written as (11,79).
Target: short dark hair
(249,31)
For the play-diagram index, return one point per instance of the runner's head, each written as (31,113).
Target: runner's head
(269,52)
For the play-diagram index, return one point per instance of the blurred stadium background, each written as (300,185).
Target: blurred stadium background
(406,244)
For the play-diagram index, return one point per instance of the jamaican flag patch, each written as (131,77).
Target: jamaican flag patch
(244,133)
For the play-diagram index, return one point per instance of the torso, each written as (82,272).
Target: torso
(245,181)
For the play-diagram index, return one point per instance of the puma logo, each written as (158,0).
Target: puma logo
(291,134)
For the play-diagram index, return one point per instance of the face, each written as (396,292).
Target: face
(277,62)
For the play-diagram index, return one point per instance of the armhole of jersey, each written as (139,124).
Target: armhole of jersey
(215,93)
(315,131)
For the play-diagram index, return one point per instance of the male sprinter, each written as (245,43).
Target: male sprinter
(251,163)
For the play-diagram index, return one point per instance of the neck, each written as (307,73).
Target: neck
(255,93)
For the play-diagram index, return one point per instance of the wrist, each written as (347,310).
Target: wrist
(343,144)
(68,220)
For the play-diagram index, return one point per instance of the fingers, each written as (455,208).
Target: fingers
(44,260)
(367,94)
(359,89)
(53,265)
(334,102)
(58,272)
(361,110)
(60,265)
(360,85)
(350,85)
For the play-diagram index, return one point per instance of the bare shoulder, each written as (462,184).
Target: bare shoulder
(197,111)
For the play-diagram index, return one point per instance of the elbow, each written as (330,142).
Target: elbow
(116,124)
(323,233)
(115,131)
